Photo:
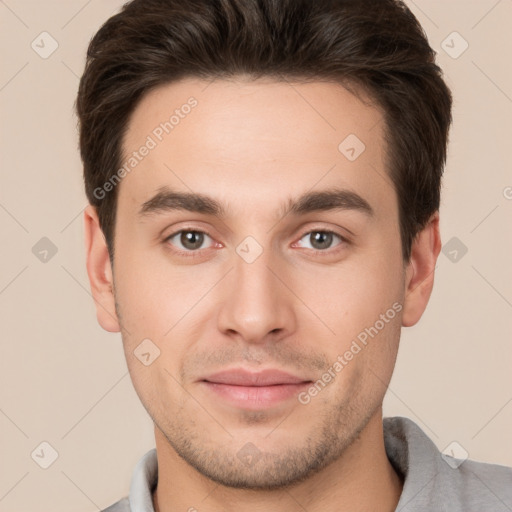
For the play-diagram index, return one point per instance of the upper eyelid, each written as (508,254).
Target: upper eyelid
(343,239)
(335,233)
(189,230)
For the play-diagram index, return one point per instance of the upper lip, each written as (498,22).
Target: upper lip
(241,377)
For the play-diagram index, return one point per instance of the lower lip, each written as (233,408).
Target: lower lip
(255,397)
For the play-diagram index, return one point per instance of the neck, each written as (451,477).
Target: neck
(361,479)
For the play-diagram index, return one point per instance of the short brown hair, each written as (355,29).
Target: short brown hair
(376,45)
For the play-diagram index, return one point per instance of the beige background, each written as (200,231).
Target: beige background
(64,380)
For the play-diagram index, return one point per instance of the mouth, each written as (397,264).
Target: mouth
(254,390)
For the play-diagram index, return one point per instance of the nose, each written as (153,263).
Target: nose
(257,305)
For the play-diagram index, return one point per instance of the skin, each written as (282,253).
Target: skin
(252,145)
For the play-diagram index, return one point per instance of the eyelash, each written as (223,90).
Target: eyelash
(196,253)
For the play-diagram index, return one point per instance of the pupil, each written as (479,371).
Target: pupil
(192,239)
(321,240)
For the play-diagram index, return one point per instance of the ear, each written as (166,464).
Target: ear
(419,279)
(100,271)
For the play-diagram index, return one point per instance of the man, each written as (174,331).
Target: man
(264,181)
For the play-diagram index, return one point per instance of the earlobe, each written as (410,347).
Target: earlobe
(99,271)
(419,279)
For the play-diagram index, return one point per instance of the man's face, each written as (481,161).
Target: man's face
(257,288)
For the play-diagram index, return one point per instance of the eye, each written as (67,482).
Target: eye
(320,240)
(190,240)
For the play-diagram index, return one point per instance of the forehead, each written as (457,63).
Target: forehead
(242,140)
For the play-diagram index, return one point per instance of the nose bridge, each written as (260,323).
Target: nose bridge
(256,302)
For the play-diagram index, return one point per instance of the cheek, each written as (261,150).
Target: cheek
(361,304)
(352,296)
(156,386)
(363,364)
(152,296)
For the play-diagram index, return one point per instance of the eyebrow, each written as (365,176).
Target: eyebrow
(166,200)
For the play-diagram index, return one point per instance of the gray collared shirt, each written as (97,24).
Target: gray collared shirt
(432,481)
